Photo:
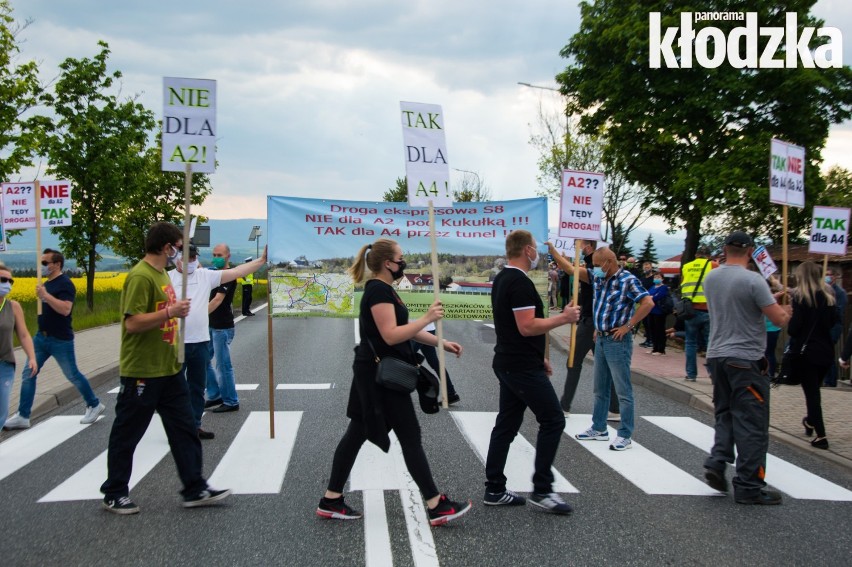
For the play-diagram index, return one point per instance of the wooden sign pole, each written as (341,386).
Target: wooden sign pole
(37,189)
(187,219)
(575,293)
(270,359)
(439,326)
(784,257)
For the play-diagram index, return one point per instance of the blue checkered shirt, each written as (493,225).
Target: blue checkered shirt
(615,298)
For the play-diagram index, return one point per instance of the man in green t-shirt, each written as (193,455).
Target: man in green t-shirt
(151,378)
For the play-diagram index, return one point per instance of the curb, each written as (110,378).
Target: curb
(44,404)
(703,402)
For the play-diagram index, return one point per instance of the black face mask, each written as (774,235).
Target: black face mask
(400,269)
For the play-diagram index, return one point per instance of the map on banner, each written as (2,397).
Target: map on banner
(307,293)
(312,243)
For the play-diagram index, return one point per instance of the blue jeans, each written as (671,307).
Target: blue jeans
(519,390)
(197,359)
(700,324)
(220,382)
(7,376)
(612,367)
(63,353)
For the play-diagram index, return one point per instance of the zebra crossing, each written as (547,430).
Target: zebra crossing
(256,464)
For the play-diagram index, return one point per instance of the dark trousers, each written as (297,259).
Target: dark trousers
(246,299)
(812,375)
(399,415)
(771,346)
(657,325)
(585,343)
(519,390)
(137,400)
(741,402)
(197,357)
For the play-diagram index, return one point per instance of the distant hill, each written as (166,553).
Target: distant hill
(21,250)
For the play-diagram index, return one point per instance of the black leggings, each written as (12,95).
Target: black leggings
(398,411)
(812,375)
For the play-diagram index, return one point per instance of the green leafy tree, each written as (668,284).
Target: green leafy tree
(619,242)
(838,188)
(160,196)
(471,189)
(398,193)
(649,251)
(20,90)
(98,142)
(698,139)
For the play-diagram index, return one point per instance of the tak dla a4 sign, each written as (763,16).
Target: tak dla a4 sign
(795,52)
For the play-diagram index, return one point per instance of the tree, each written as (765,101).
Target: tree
(398,193)
(471,189)
(698,139)
(562,145)
(20,90)
(98,142)
(619,242)
(649,251)
(838,188)
(160,196)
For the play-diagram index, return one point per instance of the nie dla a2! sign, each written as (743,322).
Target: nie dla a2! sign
(189,124)
(581,205)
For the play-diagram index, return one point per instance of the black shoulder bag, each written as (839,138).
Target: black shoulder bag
(395,374)
(683,307)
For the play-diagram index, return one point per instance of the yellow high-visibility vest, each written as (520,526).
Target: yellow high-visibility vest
(690,273)
(248,280)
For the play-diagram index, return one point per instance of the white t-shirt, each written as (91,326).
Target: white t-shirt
(199,284)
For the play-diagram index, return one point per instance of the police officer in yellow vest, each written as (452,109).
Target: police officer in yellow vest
(247,283)
(692,286)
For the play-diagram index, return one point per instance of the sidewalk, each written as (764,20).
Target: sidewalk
(665,375)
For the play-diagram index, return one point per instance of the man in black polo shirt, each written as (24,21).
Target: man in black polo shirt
(524,376)
(55,338)
(221,385)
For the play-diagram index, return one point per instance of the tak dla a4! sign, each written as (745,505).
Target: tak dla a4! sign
(426,166)
(829,231)
(189,124)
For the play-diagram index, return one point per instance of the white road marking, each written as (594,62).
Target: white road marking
(29,445)
(247,386)
(254,463)
(303,386)
(787,477)
(520,464)
(85,484)
(376,531)
(648,471)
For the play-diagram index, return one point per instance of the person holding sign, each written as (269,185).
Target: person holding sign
(151,378)
(617,291)
(373,410)
(523,372)
(55,338)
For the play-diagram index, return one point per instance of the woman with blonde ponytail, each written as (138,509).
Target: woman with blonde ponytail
(374,411)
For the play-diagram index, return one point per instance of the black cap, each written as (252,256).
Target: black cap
(193,251)
(739,239)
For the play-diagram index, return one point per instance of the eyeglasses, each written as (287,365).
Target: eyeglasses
(46,263)
(6,280)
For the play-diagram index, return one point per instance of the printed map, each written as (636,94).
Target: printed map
(312,294)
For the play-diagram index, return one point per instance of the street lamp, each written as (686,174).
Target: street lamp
(255,237)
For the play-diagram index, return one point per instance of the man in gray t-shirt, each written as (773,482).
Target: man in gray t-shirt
(737,300)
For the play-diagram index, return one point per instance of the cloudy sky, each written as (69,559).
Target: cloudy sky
(309,91)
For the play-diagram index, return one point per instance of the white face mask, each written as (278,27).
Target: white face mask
(533,261)
(191,267)
(45,271)
(5,289)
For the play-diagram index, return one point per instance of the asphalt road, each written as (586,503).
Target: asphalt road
(616,521)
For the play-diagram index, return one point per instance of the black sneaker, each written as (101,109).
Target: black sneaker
(336,509)
(764,498)
(453,399)
(447,510)
(205,497)
(505,498)
(212,403)
(223,408)
(716,479)
(204,434)
(551,502)
(122,505)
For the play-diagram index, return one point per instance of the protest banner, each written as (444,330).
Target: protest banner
(787,174)
(426,167)
(764,261)
(311,242)
(20,208)
(829,231)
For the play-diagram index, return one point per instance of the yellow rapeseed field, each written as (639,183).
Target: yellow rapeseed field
(24,288)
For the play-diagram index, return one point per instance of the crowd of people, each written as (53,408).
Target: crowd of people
(736,317)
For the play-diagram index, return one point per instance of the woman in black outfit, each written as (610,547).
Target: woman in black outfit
(374,410)
(814,314)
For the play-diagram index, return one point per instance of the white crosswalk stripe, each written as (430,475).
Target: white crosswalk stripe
(29,445)
(786,477)
(645,469)
(254,463)
(85,484)
(476,428)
